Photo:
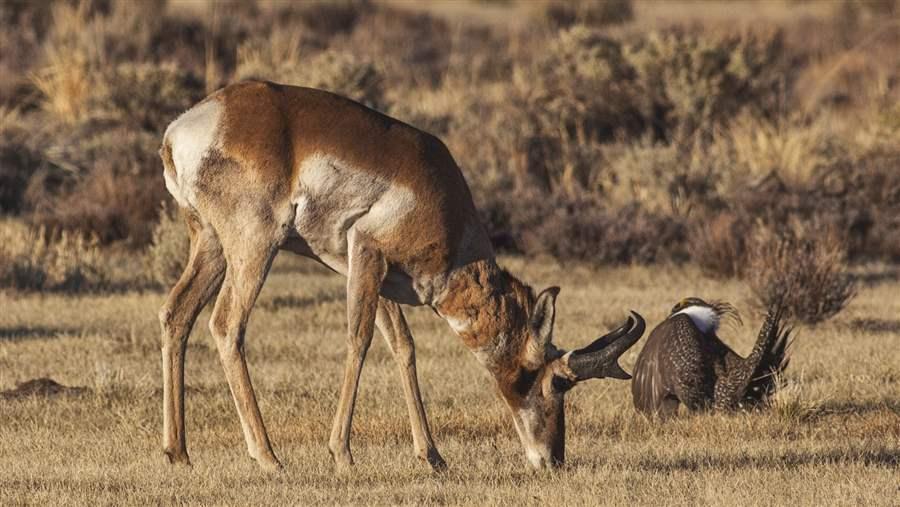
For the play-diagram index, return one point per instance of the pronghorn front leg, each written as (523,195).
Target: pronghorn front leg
(365,274)
(395,331)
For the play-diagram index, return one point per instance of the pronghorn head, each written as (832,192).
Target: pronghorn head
(537,376)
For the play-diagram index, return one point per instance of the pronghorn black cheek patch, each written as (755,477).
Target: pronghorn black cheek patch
(561,384)
(525,381)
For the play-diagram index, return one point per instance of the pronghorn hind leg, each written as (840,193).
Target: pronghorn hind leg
(201,278)
(392,325)
(249,259)
(366,271)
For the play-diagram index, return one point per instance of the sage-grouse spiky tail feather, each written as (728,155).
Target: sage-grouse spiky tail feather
(754,377)
(773,363)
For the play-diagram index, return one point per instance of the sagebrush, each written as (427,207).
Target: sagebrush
(805,272)
(587,130)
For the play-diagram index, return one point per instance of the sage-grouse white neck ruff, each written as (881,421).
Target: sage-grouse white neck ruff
(704,317)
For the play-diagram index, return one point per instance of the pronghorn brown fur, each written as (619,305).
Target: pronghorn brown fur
(258,167)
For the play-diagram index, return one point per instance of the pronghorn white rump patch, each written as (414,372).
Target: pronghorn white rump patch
(704,318)
(191,136)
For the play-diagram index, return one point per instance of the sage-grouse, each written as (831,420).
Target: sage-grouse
(684,361)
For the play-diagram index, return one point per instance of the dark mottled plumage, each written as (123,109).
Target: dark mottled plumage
(683,363)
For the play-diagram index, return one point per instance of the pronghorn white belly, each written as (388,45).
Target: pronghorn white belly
(191,137)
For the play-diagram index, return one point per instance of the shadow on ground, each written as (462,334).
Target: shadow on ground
(291,301)
(19,333)
(869,457)
(875,278)
(874,325)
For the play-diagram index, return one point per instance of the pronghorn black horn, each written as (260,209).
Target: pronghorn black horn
(599,359)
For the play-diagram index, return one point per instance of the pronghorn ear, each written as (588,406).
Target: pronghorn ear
(543,315)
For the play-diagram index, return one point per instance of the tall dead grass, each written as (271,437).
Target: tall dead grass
(41,259)
(798,154)
(31,259)
(168,251)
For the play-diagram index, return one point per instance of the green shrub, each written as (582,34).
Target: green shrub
(588,89)
(577,95)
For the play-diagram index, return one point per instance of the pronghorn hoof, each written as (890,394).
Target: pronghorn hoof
(177,458)
(343,460)
(270,465)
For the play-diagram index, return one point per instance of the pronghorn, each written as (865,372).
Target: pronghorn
(685,362)
(257,167)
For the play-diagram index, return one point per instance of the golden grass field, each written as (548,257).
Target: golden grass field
(832,436)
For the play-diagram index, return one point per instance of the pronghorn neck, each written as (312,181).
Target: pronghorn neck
(488,308)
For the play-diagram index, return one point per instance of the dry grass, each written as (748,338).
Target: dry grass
(833,436)
(34,259)
(65,84)
(169,248)
(37,259)
(719,245)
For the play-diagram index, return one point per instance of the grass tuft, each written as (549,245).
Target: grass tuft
(168,250)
